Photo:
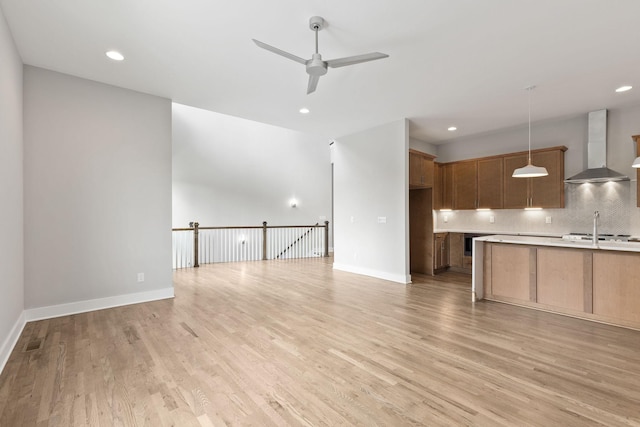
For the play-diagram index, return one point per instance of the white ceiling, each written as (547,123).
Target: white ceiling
(452,62)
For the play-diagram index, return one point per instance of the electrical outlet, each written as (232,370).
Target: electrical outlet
(547,220)
(140,277)
(446,218)
(492,219)
(382,220)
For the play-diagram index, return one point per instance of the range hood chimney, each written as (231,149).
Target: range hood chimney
(597,153)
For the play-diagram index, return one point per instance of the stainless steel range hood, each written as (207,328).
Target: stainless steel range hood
(597,153)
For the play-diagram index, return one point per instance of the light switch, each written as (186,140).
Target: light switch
(446,218)
(547,220)
(492,219)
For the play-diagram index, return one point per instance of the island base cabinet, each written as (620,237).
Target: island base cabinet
(564,278)
(510,272)
(616,288)
(594,284)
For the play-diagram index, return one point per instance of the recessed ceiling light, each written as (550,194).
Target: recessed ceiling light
(452,128)
(304,110)
(115,55)
(624,88)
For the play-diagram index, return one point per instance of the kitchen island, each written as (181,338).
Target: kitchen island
(598,282)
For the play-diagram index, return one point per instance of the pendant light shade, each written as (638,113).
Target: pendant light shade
(636,163)
(531,171)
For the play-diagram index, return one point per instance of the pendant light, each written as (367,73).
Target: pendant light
(530,171)
(636,163)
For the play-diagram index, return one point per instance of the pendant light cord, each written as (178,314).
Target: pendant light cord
(529,89)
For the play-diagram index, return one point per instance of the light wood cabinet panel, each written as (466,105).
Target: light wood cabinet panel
(594,284)
(465,185)
(562,277)
(616,291)
(510,271)
(490,186)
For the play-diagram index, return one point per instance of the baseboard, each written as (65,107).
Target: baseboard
(398,278)
(49,312)
(12,340)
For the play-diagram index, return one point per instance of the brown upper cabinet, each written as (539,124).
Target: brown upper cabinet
(465,185)
(486,183)
(477,184)
(490,184)
(443,186)
(542,192)
(421,170)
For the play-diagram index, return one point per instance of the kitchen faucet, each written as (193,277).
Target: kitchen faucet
(596,215)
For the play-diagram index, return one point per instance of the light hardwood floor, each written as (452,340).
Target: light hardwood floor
(296,343)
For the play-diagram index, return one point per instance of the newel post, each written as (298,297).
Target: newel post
(196,258)
(326,238)
(264,240)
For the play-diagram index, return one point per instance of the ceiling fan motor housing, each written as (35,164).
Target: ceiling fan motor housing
(316,66)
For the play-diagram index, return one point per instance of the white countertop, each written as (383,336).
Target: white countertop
(556,241)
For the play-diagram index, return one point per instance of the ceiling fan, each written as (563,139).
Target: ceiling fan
(316,67)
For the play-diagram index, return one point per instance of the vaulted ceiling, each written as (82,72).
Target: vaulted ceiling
(461,63)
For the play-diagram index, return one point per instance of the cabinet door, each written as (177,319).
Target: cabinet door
(516,190)
(415,170)
(465,185)
(447,186)
(456,249)
(420,170)
(437,186)
(490,183)
(441,251)
(548,191)
(427,172)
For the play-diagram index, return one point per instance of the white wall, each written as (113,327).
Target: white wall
(370,181)
(232,171)
(615,201)
(11,193)
(425,147)
(97,190)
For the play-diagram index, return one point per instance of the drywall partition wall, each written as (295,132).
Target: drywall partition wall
(232,171)
(571,133)
(425,147)
(97,194)
(11,194)
(371,202)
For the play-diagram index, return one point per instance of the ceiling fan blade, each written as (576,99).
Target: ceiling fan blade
(313,83)
(350,60)
(280,52)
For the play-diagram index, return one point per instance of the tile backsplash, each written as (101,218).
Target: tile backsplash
(616,202)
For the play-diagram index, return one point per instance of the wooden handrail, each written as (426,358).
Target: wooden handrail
(195,227)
